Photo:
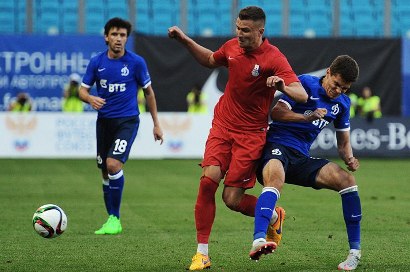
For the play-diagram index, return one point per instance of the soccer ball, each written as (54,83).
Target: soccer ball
(49,221)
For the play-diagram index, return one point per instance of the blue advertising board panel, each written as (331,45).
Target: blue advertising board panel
(406,76)
(41,65)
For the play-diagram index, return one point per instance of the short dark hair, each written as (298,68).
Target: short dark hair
(119,23)
(252,13)
(346,67)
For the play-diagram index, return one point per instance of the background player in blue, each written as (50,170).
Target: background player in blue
(118,74)
(286,154)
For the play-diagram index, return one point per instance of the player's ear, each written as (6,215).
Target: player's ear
(261,31)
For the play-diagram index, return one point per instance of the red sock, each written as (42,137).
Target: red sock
(205,209)
(247,205)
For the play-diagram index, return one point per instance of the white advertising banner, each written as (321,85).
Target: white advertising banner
(63,135)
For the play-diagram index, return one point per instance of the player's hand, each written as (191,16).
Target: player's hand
(319,113)
(277,82)
(175,32)
(96,102)
(352,164)
(158,134)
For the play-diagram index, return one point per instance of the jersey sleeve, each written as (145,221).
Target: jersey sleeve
(289,102)
(142,75)
(90,74)
(283,69)
(220,56)
(342,121)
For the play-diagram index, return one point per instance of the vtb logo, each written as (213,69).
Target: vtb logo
(113,87)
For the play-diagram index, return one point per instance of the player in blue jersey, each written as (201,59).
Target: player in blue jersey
(286,154)
(117,73)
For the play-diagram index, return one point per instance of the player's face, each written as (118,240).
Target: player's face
(116,40)
(249,34)
(335,85)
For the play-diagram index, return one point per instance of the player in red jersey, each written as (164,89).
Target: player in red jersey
(238,133)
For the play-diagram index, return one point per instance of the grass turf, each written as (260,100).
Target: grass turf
(158,222)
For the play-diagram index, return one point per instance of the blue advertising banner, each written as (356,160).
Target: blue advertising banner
(406,76)
(41,66)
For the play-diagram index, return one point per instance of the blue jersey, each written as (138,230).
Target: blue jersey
(117,81)
(300,135)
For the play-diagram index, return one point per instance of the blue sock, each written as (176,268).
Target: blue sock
(107,195)
(264,210)
(116,186)
(352,213)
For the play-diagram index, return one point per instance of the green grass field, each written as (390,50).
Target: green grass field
(158,222)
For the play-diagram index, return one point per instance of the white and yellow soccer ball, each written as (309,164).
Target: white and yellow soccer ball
(49,221)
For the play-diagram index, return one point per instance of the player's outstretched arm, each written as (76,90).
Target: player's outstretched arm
(345,150)
(202,55)
(294,90)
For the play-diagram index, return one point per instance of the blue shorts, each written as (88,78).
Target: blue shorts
(299,169)
(115,137)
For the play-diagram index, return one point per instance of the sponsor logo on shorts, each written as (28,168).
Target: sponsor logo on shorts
(276,152)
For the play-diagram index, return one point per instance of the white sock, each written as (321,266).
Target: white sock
(203,249)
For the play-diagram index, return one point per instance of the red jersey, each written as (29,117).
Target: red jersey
(246,102)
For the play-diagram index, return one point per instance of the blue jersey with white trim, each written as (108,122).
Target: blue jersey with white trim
(300,135)
(117,81)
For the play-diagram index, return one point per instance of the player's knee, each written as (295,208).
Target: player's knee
(113,166)
(341,180)
(347,180)
(213,172)
(231,200)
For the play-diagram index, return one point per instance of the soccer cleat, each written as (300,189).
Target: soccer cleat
(352,260)
(200,262)
(274,233)
(102,229)
(260,247)
(112,226)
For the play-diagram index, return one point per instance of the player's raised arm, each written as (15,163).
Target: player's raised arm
(203,55)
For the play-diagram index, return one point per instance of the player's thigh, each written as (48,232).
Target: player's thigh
(272,165)
(332,176)
(104,139)
(274,174)
(246,152)
(303,171)
(217,156)
(125,131)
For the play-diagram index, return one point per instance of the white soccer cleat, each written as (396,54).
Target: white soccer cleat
(352,260)
(261,247)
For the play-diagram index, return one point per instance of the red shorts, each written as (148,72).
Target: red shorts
(237,153)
